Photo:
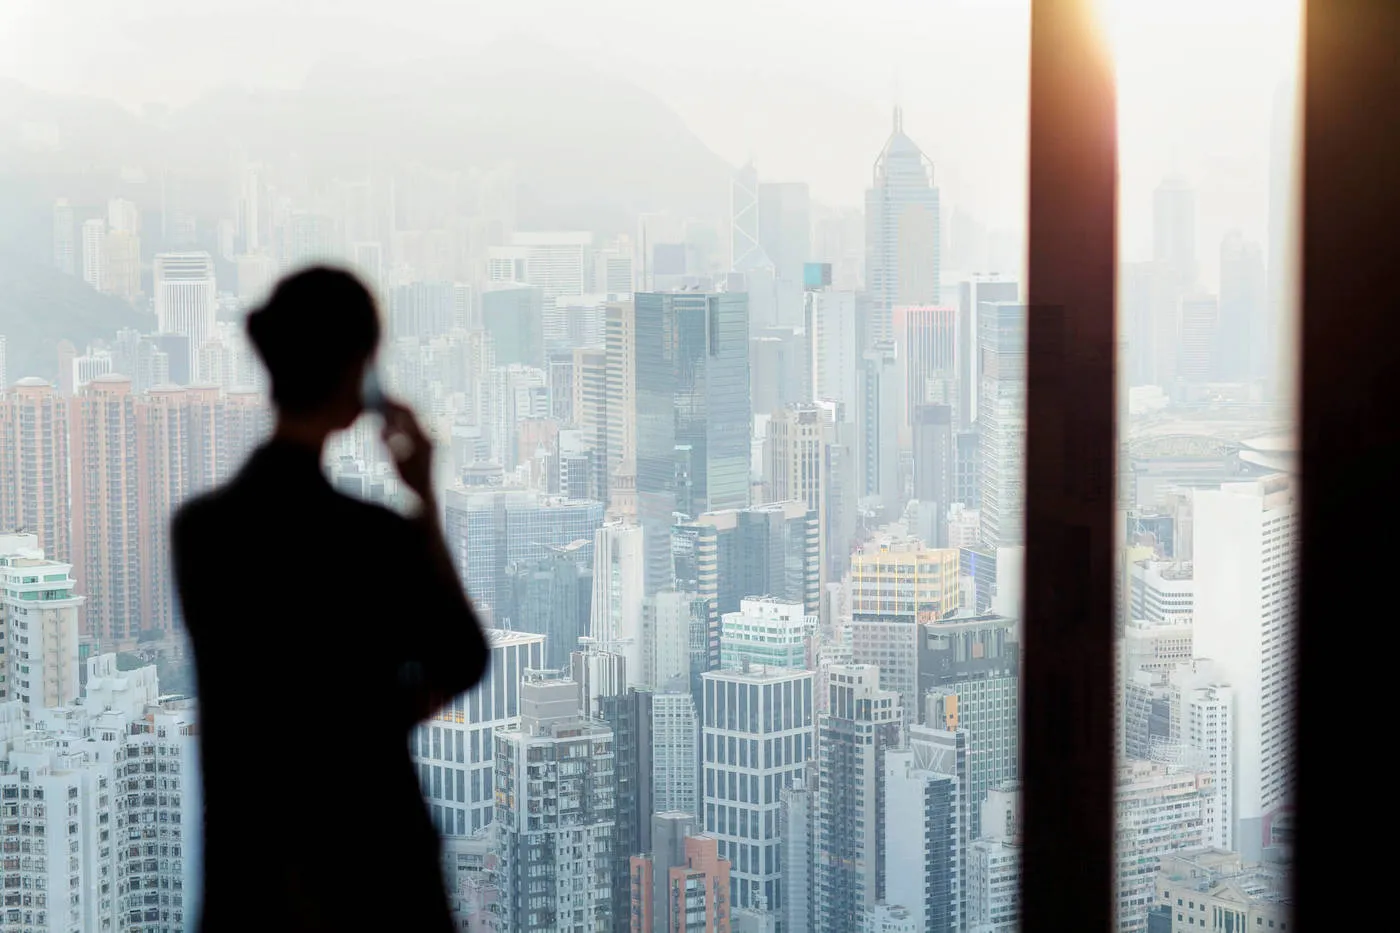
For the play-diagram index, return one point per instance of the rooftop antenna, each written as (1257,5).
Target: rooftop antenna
(898,107)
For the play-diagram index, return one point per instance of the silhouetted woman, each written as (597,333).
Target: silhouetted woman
(324,629)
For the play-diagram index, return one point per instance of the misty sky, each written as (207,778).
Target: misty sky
(805,88)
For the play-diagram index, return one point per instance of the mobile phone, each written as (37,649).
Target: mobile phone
(372,391)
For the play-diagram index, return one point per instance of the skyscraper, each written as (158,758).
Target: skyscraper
(453,749)
(618,603)
(1243,350)
(994,864)
(94,251)
(927,338)
(556,814)
(785,233)
(904,576)
(861,724)
(834,332)
(1174,232)
(675,758)
(693,413)
(34,465)
(65,255)
(1246,590)
(38,626)
(758,733)
(620,389)
(878,420)
(1199,347)
(682,886)
(108,532)
(766,632)
(902,222)
(971,294)
(935,464)
(1001,421)
(185,299)
(514,317)
(926,828)
(551,596)
(799,464)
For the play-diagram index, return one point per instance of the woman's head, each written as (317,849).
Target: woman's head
(316,334)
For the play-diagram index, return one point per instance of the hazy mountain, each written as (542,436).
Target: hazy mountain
(588,149)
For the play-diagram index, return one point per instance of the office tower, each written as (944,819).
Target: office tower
(927,339)
(766,550)
(34,485)
(620,383)
(108,533)
(778,368)
(1001,421)
(861,724)
(675,756)
(799,466)
(185,301)
(488,529)
(617,613)
(613,274)
(878,419)
(797,828)
(682,886)
(1245,547)
(424,309)
(589,409)
(890,643)
(902,249)
(514,317)
(971,294)
(94,251)
(1199,339)
(903,576)
(835,335)
(555,814)
(551,596)
(925,818)
(559,263)
(1208,738)
(693,413)
(785,234)
(841,465)
(935,464)
(758,732)
(95,362)
(969,679)
(1158,809)
(766,632)
(680,636)
(1242,350)
(994,864)
(1162,591)
(38,625)
(745,250)
(1174,232)
(65,255)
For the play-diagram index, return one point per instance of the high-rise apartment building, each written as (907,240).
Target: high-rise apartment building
(108,531)
(925,787)
(994,864)
(797,828)
(759,732)
(1158,809)
(799,464)
(38,626)
(1001,421)
(902,222)
(902,575)
(489,529)
(767,632)
(1245,548)
(861,724)
(185,299)
(94,251)
(453,750)
(556,810)
(682,885)
(34,478)
(693,413)
(630,713)
(890,642)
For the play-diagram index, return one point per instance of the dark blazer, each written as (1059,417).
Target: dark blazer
(324,629)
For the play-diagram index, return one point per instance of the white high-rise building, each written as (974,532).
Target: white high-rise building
(185,298)
(832,330)
(94,239)
(994,864)
(1162,591)
(675,746)
(38,626)
(560,262)
(759,732)
(766,632)
(926,799)
(616,615)
(556,822)
(453,749)
(1208,712)
(1245,542)
(676,617)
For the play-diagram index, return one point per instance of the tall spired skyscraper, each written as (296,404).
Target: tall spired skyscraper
(902,248)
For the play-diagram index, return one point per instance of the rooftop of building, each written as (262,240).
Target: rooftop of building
(756,674)
(1219,871)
